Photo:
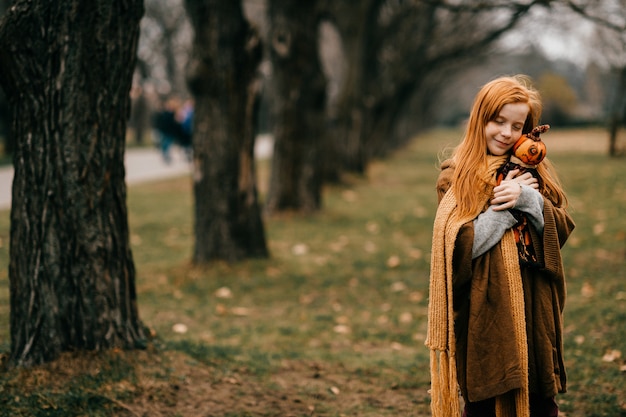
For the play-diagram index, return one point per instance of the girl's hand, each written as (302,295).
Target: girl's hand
(506,194)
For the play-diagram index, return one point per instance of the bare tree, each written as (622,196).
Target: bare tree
(223,79)
(396,50)
(298,96)
(66,68)
(609,16)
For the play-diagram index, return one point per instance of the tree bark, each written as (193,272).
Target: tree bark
(223,79)
(298,95)
(66,67)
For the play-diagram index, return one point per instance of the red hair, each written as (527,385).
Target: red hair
(470,156)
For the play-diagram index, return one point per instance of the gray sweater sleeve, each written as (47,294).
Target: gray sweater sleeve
(489,226)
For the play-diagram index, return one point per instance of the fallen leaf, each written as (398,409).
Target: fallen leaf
(224,292)
(416,296)
(398,286)
(231,380)
(221,309)
(350,196)
(300,249)
(396,346)
(587,290)
(341,329)
(334,390)
(419,337)
(599,228)
(370,247)
(240,311)
(134,240)
(393,261)
(406,318)
(372,227)
(611,355)
(179,328)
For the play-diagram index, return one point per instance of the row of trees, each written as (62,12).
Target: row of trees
(66,68)
(395,52)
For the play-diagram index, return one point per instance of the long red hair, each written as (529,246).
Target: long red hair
(470,156)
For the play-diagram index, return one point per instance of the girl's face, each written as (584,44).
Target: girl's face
(503,131)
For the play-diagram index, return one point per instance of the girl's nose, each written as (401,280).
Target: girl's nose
(506,131)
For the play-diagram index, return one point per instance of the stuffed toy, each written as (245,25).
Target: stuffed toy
(528,152)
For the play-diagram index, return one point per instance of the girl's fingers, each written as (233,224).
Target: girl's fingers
(512,174)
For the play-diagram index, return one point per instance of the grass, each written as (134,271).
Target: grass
(334,322)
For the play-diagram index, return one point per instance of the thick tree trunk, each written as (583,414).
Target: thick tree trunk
(356,23)
(66,67)
(223,80)
(298,101)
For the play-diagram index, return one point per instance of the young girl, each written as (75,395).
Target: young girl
(495,308)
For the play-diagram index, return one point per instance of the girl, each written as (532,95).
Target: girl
(496,302)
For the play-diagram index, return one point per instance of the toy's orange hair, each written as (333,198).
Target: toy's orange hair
(470,155)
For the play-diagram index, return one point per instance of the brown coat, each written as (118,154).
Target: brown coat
(487,358)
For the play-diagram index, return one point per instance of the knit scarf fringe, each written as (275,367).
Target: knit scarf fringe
(441,339)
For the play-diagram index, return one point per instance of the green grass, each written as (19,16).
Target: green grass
(340,304)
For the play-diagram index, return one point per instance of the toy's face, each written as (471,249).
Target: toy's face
(529,151)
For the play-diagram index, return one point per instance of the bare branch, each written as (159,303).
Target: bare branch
(585,12)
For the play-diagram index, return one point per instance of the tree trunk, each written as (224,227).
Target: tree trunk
(298,102)
(223,80)
(618,112)
(66,67)
(356,23)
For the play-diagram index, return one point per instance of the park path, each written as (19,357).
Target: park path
(142,165)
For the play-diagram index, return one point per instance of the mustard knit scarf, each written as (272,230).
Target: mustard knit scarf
(441,339)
